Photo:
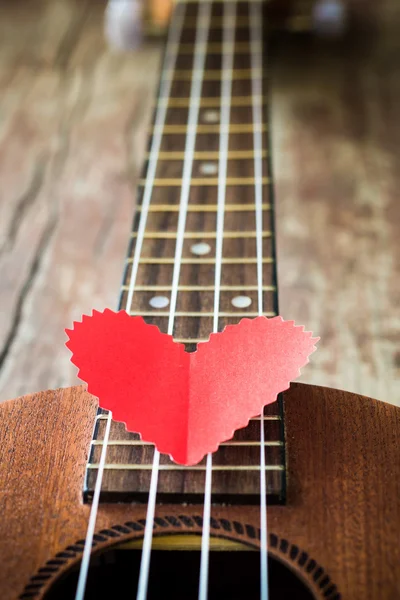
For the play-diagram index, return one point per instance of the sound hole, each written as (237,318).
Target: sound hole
(174,574)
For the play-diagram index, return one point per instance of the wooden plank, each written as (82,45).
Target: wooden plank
(70,144)
(72,134)
(335,136)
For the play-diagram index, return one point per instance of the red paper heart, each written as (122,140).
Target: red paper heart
(186,403)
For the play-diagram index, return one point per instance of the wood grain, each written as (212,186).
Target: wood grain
(337,177)
(69,144)
(72,139)
(339,530)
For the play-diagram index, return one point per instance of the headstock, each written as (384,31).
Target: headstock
(127,22)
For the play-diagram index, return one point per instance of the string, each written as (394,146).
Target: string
(226,92)
(148,530)
(83,572)
(203,22)
(256,82)
(171,53)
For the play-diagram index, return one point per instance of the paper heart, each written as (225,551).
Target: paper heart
(186,403)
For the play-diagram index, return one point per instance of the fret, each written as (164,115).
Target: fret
(200,235)
(203,195)
(201,288)
(214,48)
(205,102)
(202,182)
(233,128)
(217,22)
(213,155)
(268,418)
(202,261)
(212,75)
(204,170)
(232,274)
(215,35)
(103,417)
(205,208)
(141,443)
(189,341)
(199,314)
(175,467)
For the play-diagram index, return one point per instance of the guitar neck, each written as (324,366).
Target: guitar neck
(206,170)
(202,252)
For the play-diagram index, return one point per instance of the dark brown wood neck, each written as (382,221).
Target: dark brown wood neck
(163,222)
(195,299)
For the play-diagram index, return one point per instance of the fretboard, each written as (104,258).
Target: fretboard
(202,253)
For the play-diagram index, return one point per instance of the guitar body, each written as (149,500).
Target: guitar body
(338,531)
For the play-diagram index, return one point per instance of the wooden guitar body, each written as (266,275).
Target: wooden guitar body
(338,531)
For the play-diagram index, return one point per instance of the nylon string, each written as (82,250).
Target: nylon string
(256,82)
(228,45)
(202,29)
(165,89)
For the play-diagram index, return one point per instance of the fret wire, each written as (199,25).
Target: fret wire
(211,75)
(230,444)
(204,208)
(215,26)
(190,340)
(103,417)
(204,181)
(214,48)
(267,418)
(203,261)
(198,314)
(189,235)
(148,467)
(219,21)
(201,129)
(200,155)
(205,102)
(199,288)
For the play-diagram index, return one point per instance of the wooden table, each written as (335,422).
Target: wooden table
(73,124)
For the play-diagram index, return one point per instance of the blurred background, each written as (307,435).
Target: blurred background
(74,115)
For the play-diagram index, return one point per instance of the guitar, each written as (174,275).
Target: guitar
(332,464)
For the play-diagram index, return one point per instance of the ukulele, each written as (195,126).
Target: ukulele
(302,503)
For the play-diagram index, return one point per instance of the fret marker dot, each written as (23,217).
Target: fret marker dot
(200,249)
(241,301)
(208,168)
(211,116)
(159,301)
